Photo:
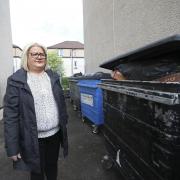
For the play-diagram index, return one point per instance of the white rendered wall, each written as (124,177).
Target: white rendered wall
(6,54)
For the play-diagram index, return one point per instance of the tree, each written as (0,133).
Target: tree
(55,63)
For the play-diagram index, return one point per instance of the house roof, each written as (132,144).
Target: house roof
(15,46)
(67,45)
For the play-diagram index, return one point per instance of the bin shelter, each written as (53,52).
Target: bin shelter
(91,98)
(142,118)
(74,93)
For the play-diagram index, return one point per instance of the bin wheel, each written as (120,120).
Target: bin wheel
(107,162)
(83,119)
(74,107)
(95,129)
(71,101)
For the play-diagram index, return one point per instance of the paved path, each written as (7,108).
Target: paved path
(83,162)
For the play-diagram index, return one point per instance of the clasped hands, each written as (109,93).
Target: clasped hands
(16,157)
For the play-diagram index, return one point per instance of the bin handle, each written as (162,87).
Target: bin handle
(156,96)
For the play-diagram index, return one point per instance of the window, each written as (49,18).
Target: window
(74,53)
(75,64)
(61,52)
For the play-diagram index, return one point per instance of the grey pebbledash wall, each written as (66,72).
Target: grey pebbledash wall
(114,27)
(6,56)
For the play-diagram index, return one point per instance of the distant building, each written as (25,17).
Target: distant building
(72,55)
(17,53)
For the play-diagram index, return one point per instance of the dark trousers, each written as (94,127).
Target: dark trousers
(49,152)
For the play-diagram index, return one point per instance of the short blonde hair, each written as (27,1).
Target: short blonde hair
(24,58)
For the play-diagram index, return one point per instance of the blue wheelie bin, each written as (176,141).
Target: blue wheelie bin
(91,98)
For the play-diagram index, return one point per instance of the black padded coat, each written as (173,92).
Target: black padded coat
(20,127)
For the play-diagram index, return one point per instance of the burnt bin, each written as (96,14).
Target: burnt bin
(142,119)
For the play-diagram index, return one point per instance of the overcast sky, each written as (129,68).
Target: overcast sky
(46,21)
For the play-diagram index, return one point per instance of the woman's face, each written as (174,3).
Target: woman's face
(36,59)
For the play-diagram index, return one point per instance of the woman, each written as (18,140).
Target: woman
(35,116)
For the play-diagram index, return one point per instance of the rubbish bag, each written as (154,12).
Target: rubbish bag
(97,76)
(150,69)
